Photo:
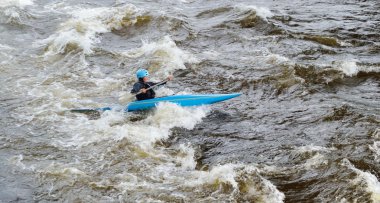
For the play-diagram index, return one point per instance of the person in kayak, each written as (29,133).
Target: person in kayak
(141,87)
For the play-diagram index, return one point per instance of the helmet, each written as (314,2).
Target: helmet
(142,73)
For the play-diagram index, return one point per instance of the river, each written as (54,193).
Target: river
(306,128)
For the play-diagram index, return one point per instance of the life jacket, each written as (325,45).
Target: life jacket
(150,94)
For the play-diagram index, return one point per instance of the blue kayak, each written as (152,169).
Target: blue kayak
(182,100)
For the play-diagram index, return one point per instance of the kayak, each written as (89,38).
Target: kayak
(181,100)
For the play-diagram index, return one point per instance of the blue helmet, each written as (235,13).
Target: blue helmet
(142,73)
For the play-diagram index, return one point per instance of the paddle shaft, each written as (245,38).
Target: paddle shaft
(153,86)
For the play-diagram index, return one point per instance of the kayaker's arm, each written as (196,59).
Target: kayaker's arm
(136,88)
(139,88)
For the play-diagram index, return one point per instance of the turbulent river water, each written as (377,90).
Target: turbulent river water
(306,129)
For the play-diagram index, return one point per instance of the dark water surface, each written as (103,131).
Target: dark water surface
(306,128)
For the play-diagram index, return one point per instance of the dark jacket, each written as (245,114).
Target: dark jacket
(150,94)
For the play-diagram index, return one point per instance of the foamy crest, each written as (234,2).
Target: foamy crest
(112,125)
(315,161)
(17,3)
(163,169)
(366,180)
(224,173)
(312,148)
(184,117)
(376,133)
(59,95)
(311,156)
(62,171)
(162,57)
(375,148)
(186,157)
(14,10)
(351,68)
(83,29)
(240,178)
(157,126)
(276,59)
(263,12)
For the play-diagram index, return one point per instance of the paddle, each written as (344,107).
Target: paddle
(128,98)
(125,100)
(151,87)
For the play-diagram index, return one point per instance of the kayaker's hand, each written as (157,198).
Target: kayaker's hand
(143,90)
(170,77)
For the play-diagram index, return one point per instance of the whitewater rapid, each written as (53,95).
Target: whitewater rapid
(305,129)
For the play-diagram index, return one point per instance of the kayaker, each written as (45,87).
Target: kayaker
(143,84)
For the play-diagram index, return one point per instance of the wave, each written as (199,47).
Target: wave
(247,16)
(375,148)
(83,30)
(353,68)
(326,74)
(263,12)
(150,167)
(161,58)
(14,11)
(16,3)
(243,183)
(324,40)
(364,180)
(285,76)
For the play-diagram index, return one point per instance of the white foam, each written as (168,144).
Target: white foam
(162,57)
(162,170)
(17,160)
(263,12)
(350,67)
(368,69)
(230,174)
(276,59)
(14,10)
(315,161)
(83,28)
(112,125)
(13,15)
(312,154)
(376,149)
(376,133)
(224,173)
(185,117)
(56,93)
(17,3)
(313,148)
(186,157)
(367,180)
(62,170)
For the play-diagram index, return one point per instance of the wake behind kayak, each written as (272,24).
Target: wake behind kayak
(181,100)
